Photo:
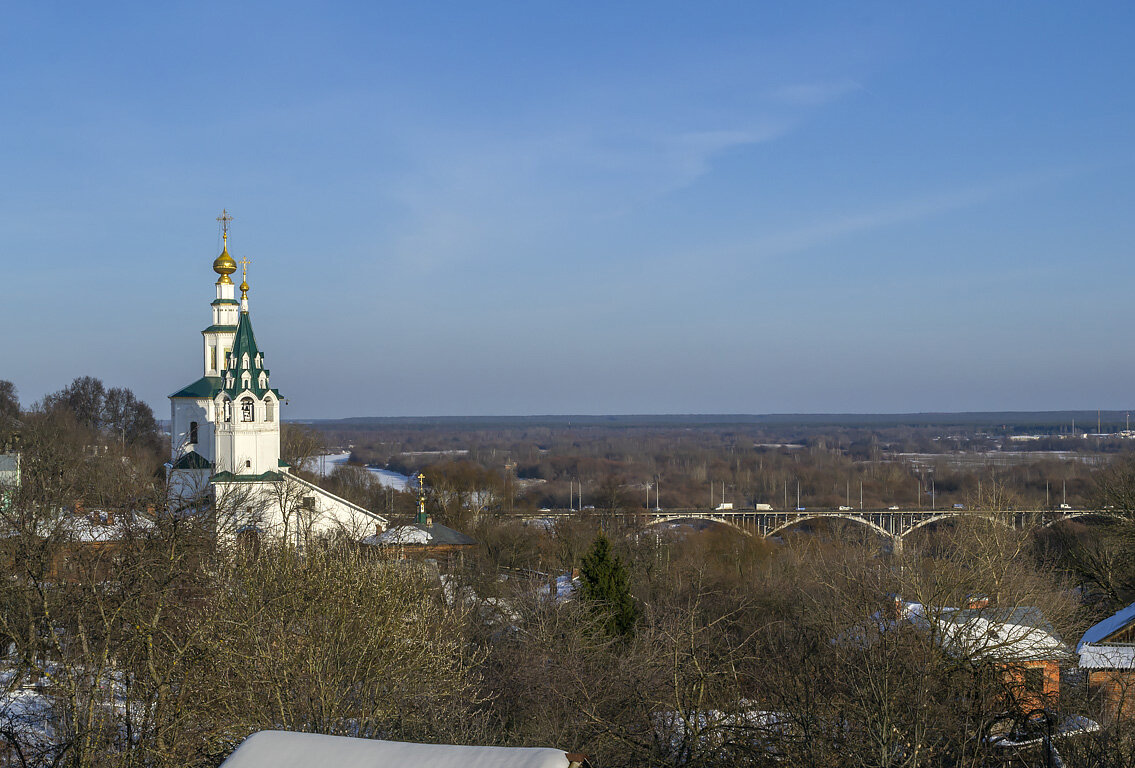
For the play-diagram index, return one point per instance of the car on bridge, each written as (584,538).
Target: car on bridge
(894,508)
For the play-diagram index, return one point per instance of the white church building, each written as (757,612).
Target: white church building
(225,430)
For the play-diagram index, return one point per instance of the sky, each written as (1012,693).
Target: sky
(578,208)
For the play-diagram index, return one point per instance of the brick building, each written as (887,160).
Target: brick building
(1107,654)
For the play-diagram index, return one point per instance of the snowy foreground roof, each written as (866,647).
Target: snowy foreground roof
(285,749)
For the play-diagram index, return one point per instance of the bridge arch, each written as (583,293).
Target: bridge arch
(1079,514)
(957,514)
(828,516)
(715,518)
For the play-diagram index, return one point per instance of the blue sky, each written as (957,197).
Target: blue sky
(518,208)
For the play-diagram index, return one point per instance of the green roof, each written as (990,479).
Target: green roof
(281,462)
(223,301)
(244,343)
(192,460)
(206,386)
(213,328)
(229,477)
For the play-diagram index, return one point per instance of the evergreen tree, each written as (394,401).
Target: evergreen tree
(604,584)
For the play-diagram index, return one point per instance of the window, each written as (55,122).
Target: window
(248,463)
(226,356)
(212,358)
(228,409)
(244,361)
(1034,680)
(245,380)
(269,410)
(247,409)
(193,433)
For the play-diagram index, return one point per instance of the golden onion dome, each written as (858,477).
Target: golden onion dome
(244,287)
(224,265)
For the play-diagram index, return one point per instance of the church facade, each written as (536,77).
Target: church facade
(225,437)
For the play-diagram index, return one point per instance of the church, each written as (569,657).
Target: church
(225,436)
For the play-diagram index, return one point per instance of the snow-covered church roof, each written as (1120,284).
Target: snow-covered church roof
(285,749)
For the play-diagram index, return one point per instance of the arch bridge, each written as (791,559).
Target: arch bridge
(889,523)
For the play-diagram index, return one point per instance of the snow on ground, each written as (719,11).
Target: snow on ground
(565,588)
(325,464)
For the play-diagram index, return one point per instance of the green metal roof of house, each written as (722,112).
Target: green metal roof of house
(206,386)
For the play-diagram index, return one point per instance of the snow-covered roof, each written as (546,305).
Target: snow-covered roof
(284,749)
(1109,626)
(1096,653)
(1011,634)
(421,535)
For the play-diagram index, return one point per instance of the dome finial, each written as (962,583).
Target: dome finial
(244,262)
(224,265)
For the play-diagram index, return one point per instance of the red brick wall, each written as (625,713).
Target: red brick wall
(1116,689)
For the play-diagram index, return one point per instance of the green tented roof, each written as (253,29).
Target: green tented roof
(244,343)
(206,386)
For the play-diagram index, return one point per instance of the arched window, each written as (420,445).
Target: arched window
(247,409)
(228,409)
(193,433)
(245,380)
(244,361)
(269,410)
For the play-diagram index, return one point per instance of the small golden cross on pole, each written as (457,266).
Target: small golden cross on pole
(244,262)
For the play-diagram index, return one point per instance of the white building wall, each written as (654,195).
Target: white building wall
(240,442)
(293,508)
(183,411)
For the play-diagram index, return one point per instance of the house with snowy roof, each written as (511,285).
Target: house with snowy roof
(1107,654)
(1019,639)
(225,430)
(286,749)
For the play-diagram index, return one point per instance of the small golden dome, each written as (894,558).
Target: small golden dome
(224,265)
(244,287)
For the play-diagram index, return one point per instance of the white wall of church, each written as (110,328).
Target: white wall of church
(183,412)
(249,448)
(291,508)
